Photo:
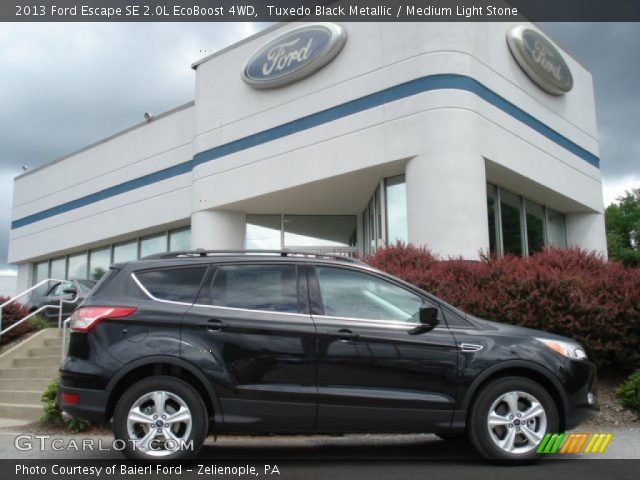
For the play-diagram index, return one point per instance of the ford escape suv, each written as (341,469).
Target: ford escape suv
(176,346)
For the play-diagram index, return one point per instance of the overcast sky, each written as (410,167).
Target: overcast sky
(64,86)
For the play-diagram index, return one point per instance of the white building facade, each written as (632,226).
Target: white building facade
(432,134)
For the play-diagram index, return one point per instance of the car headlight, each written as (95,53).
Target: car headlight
(570,350)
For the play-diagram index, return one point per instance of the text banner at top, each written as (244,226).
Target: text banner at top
(318,10)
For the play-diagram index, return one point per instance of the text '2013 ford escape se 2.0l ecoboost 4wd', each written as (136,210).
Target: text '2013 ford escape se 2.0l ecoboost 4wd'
(175,346)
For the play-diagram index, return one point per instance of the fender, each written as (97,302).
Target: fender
(129,367)
(509,364)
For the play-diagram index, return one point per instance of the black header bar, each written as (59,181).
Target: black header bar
(319,10)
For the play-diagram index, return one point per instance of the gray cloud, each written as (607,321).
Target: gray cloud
(610,51)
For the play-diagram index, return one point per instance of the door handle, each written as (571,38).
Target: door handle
(213,325)
(344,335)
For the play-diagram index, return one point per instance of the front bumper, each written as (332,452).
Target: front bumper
(581,391)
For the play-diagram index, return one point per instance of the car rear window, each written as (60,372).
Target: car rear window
(174,284)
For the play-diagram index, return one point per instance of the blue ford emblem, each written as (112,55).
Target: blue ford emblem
(294,55)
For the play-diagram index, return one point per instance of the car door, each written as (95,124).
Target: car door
(250,331)
(378,368)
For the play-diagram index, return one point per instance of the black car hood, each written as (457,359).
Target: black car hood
(514,330)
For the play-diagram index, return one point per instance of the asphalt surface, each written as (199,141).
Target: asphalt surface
(335,457)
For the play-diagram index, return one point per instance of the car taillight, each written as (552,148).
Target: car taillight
(85,318)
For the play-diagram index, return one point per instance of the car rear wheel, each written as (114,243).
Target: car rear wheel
(510,417)
(160,418)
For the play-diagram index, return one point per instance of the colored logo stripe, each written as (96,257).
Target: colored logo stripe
(573,443)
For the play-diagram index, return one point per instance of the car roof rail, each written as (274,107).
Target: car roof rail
(281,253)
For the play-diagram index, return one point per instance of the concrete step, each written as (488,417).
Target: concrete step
(23,397)
(53,342)
(31,372)
(44,351)
(37,361)
(38,384)
(22,412)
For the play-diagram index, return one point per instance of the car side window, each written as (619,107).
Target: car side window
(173,284)
(348,293)
(272,288)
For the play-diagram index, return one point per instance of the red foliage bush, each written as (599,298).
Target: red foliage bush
(568,292)
(10,315)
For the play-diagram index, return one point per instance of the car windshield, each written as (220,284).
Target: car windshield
(86,285)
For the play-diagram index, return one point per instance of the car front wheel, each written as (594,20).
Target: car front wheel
(509,418)
(160,418)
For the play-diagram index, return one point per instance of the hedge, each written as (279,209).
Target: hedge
(10,315)
(569,292)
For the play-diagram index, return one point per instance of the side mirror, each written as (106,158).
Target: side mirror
(70,291)
(429,316)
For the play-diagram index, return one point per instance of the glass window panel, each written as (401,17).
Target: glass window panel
(59,268)
(365,230)
(396,195)
(264,232)
(257,287)
(153,245)
(556,229)
(320,230)
(41,272)
(99,262)
(511,216)
(78,265)
(125,252)
(180,240)
(492,210)
(347,293)
(175,284)
(536,230)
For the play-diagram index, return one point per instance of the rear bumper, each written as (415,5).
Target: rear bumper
(91,405)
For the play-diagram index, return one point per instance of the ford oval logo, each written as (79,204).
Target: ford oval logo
(540,60)
(294,55)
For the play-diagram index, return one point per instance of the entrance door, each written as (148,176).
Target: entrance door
(376,370)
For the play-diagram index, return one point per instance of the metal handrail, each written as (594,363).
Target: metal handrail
(41,309)
(65,325)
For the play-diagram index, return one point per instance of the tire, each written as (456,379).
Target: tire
(510,437)
(139,426)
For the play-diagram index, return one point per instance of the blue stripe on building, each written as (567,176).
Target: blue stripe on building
(391,94)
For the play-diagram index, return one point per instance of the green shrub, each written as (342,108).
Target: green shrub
(629,392)
(52,412)
(53,415)
(38,322)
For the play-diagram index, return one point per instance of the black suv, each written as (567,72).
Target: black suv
(175,346)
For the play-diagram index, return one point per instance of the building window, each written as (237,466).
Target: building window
(264,232)
(396,209)
(78,266)
(385,218)
(557,230)
(99,262)
(96,263)
(125,252)
(520,226)
(58,269)
(152,245)
(313,232)
(180,240)
(319,231)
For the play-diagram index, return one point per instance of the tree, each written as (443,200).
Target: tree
(622,220)
(98,273)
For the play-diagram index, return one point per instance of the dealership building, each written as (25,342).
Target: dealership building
(464,137)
